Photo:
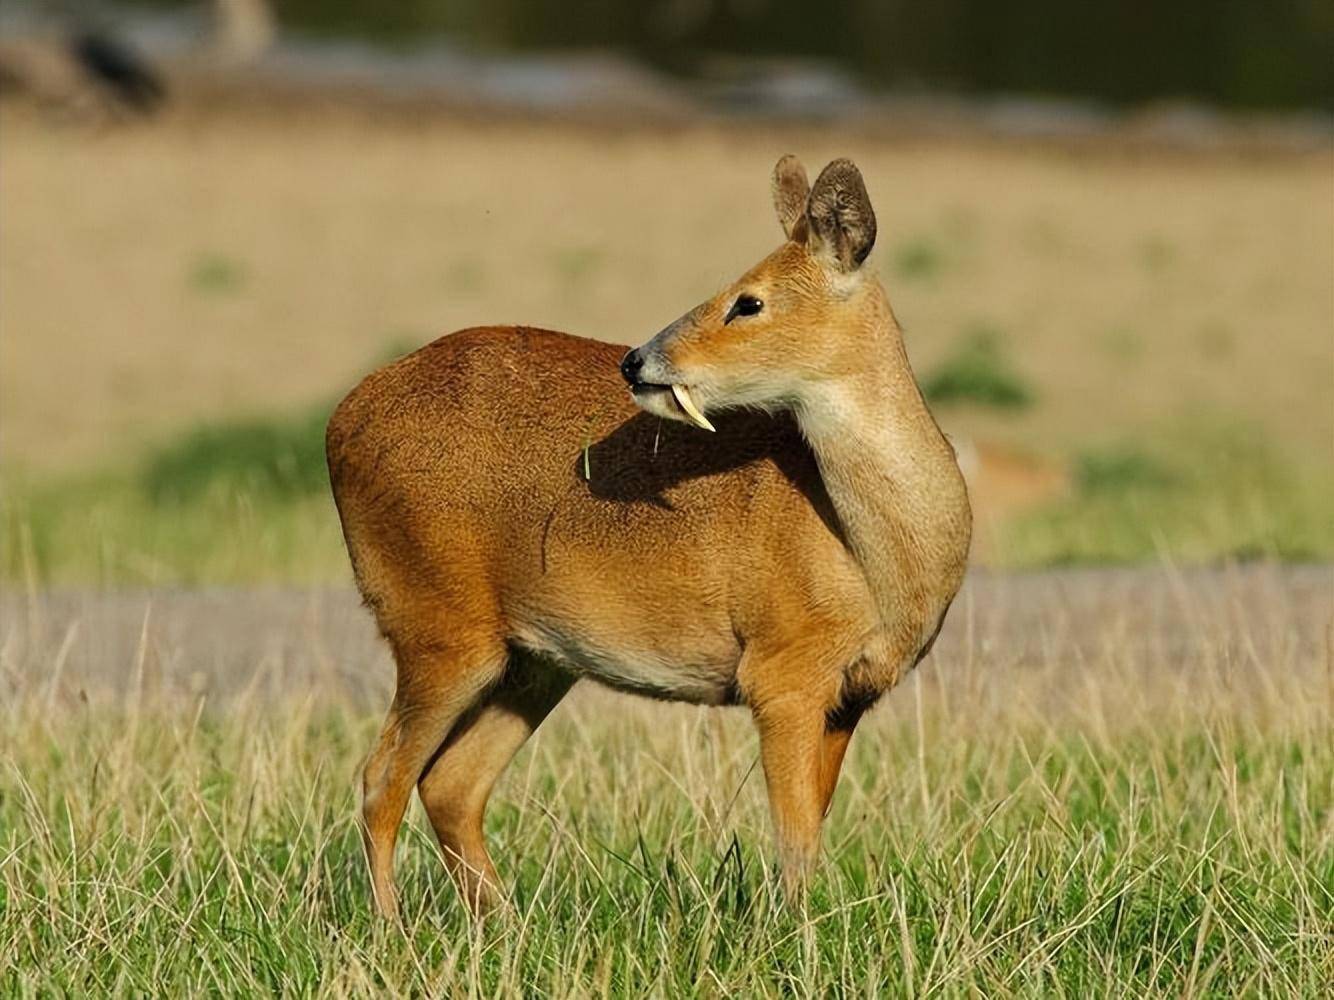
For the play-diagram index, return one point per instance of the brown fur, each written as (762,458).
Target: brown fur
(515,522)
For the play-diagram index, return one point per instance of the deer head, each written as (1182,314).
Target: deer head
(797,318)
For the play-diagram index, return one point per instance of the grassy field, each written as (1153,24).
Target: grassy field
(1152,330)
(1102,782)
(203,266)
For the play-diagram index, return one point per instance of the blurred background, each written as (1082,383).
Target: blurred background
(1107,229)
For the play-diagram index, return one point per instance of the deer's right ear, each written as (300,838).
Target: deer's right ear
(790,190)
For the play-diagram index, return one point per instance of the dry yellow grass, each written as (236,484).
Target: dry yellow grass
(1100,783)
(198,265)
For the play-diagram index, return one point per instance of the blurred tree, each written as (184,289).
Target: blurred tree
(1241,53)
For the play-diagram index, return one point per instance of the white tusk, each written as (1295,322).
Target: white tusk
(682,395)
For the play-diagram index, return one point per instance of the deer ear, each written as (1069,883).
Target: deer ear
(840,216)
(790,190)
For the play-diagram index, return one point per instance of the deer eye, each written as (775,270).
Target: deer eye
(745,305)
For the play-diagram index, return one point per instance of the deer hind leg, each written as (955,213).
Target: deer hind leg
(458,783)
(435,689)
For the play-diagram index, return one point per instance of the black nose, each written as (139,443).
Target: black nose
(631,365)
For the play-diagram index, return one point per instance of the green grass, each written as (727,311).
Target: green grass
(1119,470)
(1140,827)
(103,529)
(1193,494)
(1155,253)
(238,501)
(918,258)
(577,265)
(247,501)
(216,274)
(268,458)
(978,373)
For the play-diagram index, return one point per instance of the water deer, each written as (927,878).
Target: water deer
(517,521)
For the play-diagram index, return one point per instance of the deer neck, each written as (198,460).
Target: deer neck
(893,480)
